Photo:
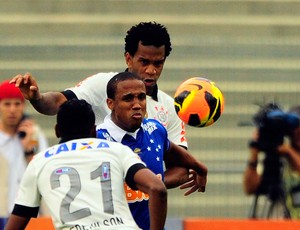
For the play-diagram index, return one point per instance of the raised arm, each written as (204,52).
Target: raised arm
(149,183)
(180,157)
(45,103)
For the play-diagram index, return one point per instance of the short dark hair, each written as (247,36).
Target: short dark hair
(111,87)
(149,33)
(75,119)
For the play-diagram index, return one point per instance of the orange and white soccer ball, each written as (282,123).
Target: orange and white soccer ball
(198,102)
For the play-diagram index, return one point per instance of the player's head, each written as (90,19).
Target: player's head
(75,119)
(149,34)
(12,104)
(147,45)
(126,98)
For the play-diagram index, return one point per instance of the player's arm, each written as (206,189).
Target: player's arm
(147,182)
(16,223)
(20,217)
(177,156)
(175,176)
(45,103)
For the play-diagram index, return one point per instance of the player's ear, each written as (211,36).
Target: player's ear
(57,133)
(128,59)
(110,103)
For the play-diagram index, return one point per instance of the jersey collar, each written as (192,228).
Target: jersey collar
(115,131)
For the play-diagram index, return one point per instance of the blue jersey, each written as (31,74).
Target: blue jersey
(150,143)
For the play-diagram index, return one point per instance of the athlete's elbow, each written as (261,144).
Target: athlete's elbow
(160,190)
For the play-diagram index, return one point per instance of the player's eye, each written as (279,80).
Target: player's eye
(142,96)
(128,97)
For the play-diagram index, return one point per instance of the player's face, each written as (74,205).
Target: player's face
(148,63)
(129,106)
(11,111)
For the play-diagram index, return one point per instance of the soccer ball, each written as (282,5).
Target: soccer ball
(198,102)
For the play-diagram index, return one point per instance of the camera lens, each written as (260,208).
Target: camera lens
(21,134)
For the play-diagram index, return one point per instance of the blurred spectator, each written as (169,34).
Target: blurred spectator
(20,139)
(279,176)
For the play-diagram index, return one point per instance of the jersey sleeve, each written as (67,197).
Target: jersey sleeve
(129,178)
(28,194)
(93,88)
(175,127)
(130,161)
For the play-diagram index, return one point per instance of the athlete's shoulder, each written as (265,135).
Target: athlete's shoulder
(104,74)
(151,121)
(98,77)
(163,96)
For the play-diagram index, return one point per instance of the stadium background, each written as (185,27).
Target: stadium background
(249,48)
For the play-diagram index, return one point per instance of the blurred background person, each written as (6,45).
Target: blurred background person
(20,139)
(279,177)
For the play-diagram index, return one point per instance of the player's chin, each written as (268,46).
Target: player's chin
(136,122)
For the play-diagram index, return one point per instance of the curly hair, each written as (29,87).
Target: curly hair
(149,33)
(75,118)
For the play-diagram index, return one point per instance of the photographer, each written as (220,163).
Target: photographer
(279,177)
(20,137)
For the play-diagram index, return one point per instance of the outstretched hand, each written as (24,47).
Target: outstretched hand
(28,86)
(195,182)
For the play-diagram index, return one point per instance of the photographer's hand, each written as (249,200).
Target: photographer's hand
(291,154)
(29,141)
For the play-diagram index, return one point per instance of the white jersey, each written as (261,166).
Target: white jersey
(14,164)
(93,90)
(12,155)
(82,184)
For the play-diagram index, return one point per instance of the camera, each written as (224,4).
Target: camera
(273,125)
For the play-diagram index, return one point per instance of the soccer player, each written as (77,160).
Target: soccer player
(81,179)
(147,46)
(126,98)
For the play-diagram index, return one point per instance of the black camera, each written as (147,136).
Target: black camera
(273,125)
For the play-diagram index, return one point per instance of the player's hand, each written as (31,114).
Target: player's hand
(28,86)
(195,182)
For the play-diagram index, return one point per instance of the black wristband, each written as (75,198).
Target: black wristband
(252,164)
(253,144)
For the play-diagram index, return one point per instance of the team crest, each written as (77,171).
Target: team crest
(161,115)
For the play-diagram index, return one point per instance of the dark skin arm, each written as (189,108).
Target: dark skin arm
(147,182)
(45,103)
(252,179)
(177,156)
(175,176)
(16,223)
